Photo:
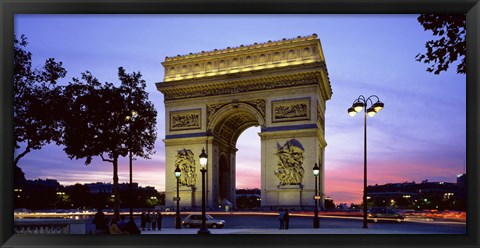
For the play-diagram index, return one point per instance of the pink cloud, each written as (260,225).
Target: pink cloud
(248,179)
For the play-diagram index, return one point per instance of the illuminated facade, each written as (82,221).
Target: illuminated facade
(212,97)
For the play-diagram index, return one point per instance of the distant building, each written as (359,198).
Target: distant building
(255,193)
(342,206)
(424,195)
(247,199)
(461,180)
(97,188)
(107,188)
(126,186)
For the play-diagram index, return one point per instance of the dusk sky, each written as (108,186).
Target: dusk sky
(420,134)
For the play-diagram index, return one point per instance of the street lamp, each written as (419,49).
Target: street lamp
(316,221)
(357,106)
(203,162)
(131,119)
(178,222)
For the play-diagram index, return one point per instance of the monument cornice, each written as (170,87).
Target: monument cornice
(311,132)
(274,78)
(189,140)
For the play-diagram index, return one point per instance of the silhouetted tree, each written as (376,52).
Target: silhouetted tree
(329,204)
(140,112)
(97,121)
(18,176)
(451,44)
(80,196)
(35,123)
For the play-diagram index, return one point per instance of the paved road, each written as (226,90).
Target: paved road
(271,222)
(332,224)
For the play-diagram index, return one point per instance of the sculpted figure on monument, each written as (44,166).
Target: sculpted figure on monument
(290,161)
(186,162)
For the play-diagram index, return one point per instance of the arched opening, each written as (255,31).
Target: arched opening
(227,124)
(248,157)
(248,170)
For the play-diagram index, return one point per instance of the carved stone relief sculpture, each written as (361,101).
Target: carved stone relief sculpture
(212,109)
(290,161)
(188,119)
(186,163)
(291,110)
(320,118)
(258,104)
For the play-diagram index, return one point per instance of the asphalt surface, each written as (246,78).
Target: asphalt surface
(258,224)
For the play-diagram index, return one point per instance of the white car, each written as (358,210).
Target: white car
(195,220)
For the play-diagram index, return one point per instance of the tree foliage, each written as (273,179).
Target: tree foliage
(98,121)
(450,45)
(141,114)
(35,95)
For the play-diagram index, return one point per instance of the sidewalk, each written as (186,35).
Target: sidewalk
(289,231)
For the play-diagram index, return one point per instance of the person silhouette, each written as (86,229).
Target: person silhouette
(287,218)
(159,220)
(143,220)
(281,218)
(101,222)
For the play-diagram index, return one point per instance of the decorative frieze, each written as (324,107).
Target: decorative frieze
(291,110)
(237,87)
(185,119)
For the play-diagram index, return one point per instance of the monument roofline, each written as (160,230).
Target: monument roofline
(276,54)
(240,48)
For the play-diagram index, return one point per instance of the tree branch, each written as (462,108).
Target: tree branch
(106,160)
(21,155)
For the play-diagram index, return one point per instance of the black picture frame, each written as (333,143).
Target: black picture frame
(11,7)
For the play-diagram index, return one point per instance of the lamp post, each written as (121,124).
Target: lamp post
(131,184)
(316,220)
(357,106)
(178,222)
(131,119)
(203,162)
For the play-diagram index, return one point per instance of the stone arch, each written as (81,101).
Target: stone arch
(232,119)
(225,126)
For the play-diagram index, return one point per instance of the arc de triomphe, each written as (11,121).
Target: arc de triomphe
(212,97)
